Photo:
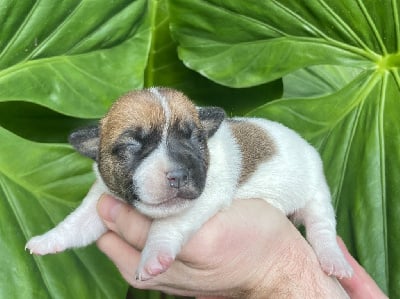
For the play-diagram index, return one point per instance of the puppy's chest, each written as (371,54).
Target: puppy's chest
(256,146)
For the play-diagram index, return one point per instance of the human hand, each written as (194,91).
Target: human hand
(250,250)
(360,285)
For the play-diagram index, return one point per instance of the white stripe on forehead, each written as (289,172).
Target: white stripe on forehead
(164,104)
(163,101)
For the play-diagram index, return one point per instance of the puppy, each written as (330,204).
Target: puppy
(180,164)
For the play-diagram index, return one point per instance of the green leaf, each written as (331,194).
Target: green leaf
(30,202)
(165,69)
(318,80)
(264,40)
(38,123)
(76,62)
(340,63)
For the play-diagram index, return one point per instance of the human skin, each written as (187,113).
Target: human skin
(250,250)
(360,285)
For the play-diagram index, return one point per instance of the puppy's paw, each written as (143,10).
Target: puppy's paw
(334,263)
(153,263)
(45,244)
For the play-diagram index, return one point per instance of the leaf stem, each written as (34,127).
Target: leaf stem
(390,61)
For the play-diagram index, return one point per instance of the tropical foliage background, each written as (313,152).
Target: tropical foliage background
(326,68)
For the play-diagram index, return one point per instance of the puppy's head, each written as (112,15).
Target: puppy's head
(151,149)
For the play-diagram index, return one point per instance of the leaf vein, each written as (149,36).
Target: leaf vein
(372,26)
(20,29)
(53,33)
(24,231)
(348,29)
(396,24)
(307,24)
(381,109)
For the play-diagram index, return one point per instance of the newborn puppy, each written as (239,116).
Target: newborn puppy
(180,164)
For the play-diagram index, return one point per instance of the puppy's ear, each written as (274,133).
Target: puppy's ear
(86,141)
(211,118)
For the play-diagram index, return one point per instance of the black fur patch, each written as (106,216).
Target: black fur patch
(118,163)
(187,148)
(86,141)
(211,118)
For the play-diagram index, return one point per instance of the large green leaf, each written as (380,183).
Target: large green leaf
(165,69)
(30,201)
(345,102)
(267,39)
(38,123)
(72,56)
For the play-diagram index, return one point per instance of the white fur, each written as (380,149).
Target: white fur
(291,180)
(291,176)
(153,189)
(294,182)
(164,104)
(82,227)
(167,235)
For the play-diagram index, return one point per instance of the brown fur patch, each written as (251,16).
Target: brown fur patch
(137,108)
(255,144)
(181,108)
(140,111)
(143,108)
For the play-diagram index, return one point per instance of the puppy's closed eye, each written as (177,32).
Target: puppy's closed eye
(127,147)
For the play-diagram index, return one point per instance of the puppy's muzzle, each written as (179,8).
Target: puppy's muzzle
(178,178)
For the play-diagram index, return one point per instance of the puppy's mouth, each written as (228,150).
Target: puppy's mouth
(169,202)
(164,208)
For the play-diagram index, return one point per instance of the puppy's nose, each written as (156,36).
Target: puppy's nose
(177,178)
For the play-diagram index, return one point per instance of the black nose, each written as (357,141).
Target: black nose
(177,178)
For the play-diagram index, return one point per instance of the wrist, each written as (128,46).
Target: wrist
(293,273)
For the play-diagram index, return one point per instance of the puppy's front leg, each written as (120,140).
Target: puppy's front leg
(80,228)
(168,235)
(163,244)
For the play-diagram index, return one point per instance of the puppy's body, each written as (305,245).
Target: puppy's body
(180,165)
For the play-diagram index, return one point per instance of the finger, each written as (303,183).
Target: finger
(124,256)
(124,220)
(360,285)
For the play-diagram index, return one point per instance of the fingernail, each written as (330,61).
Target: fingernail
(108,207)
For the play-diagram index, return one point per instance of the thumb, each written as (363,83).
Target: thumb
(108,208)
(124,220)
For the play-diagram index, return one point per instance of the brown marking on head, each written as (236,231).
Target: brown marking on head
(151,133)
(149,118)
(255,144)
(137,108)
(182,110)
